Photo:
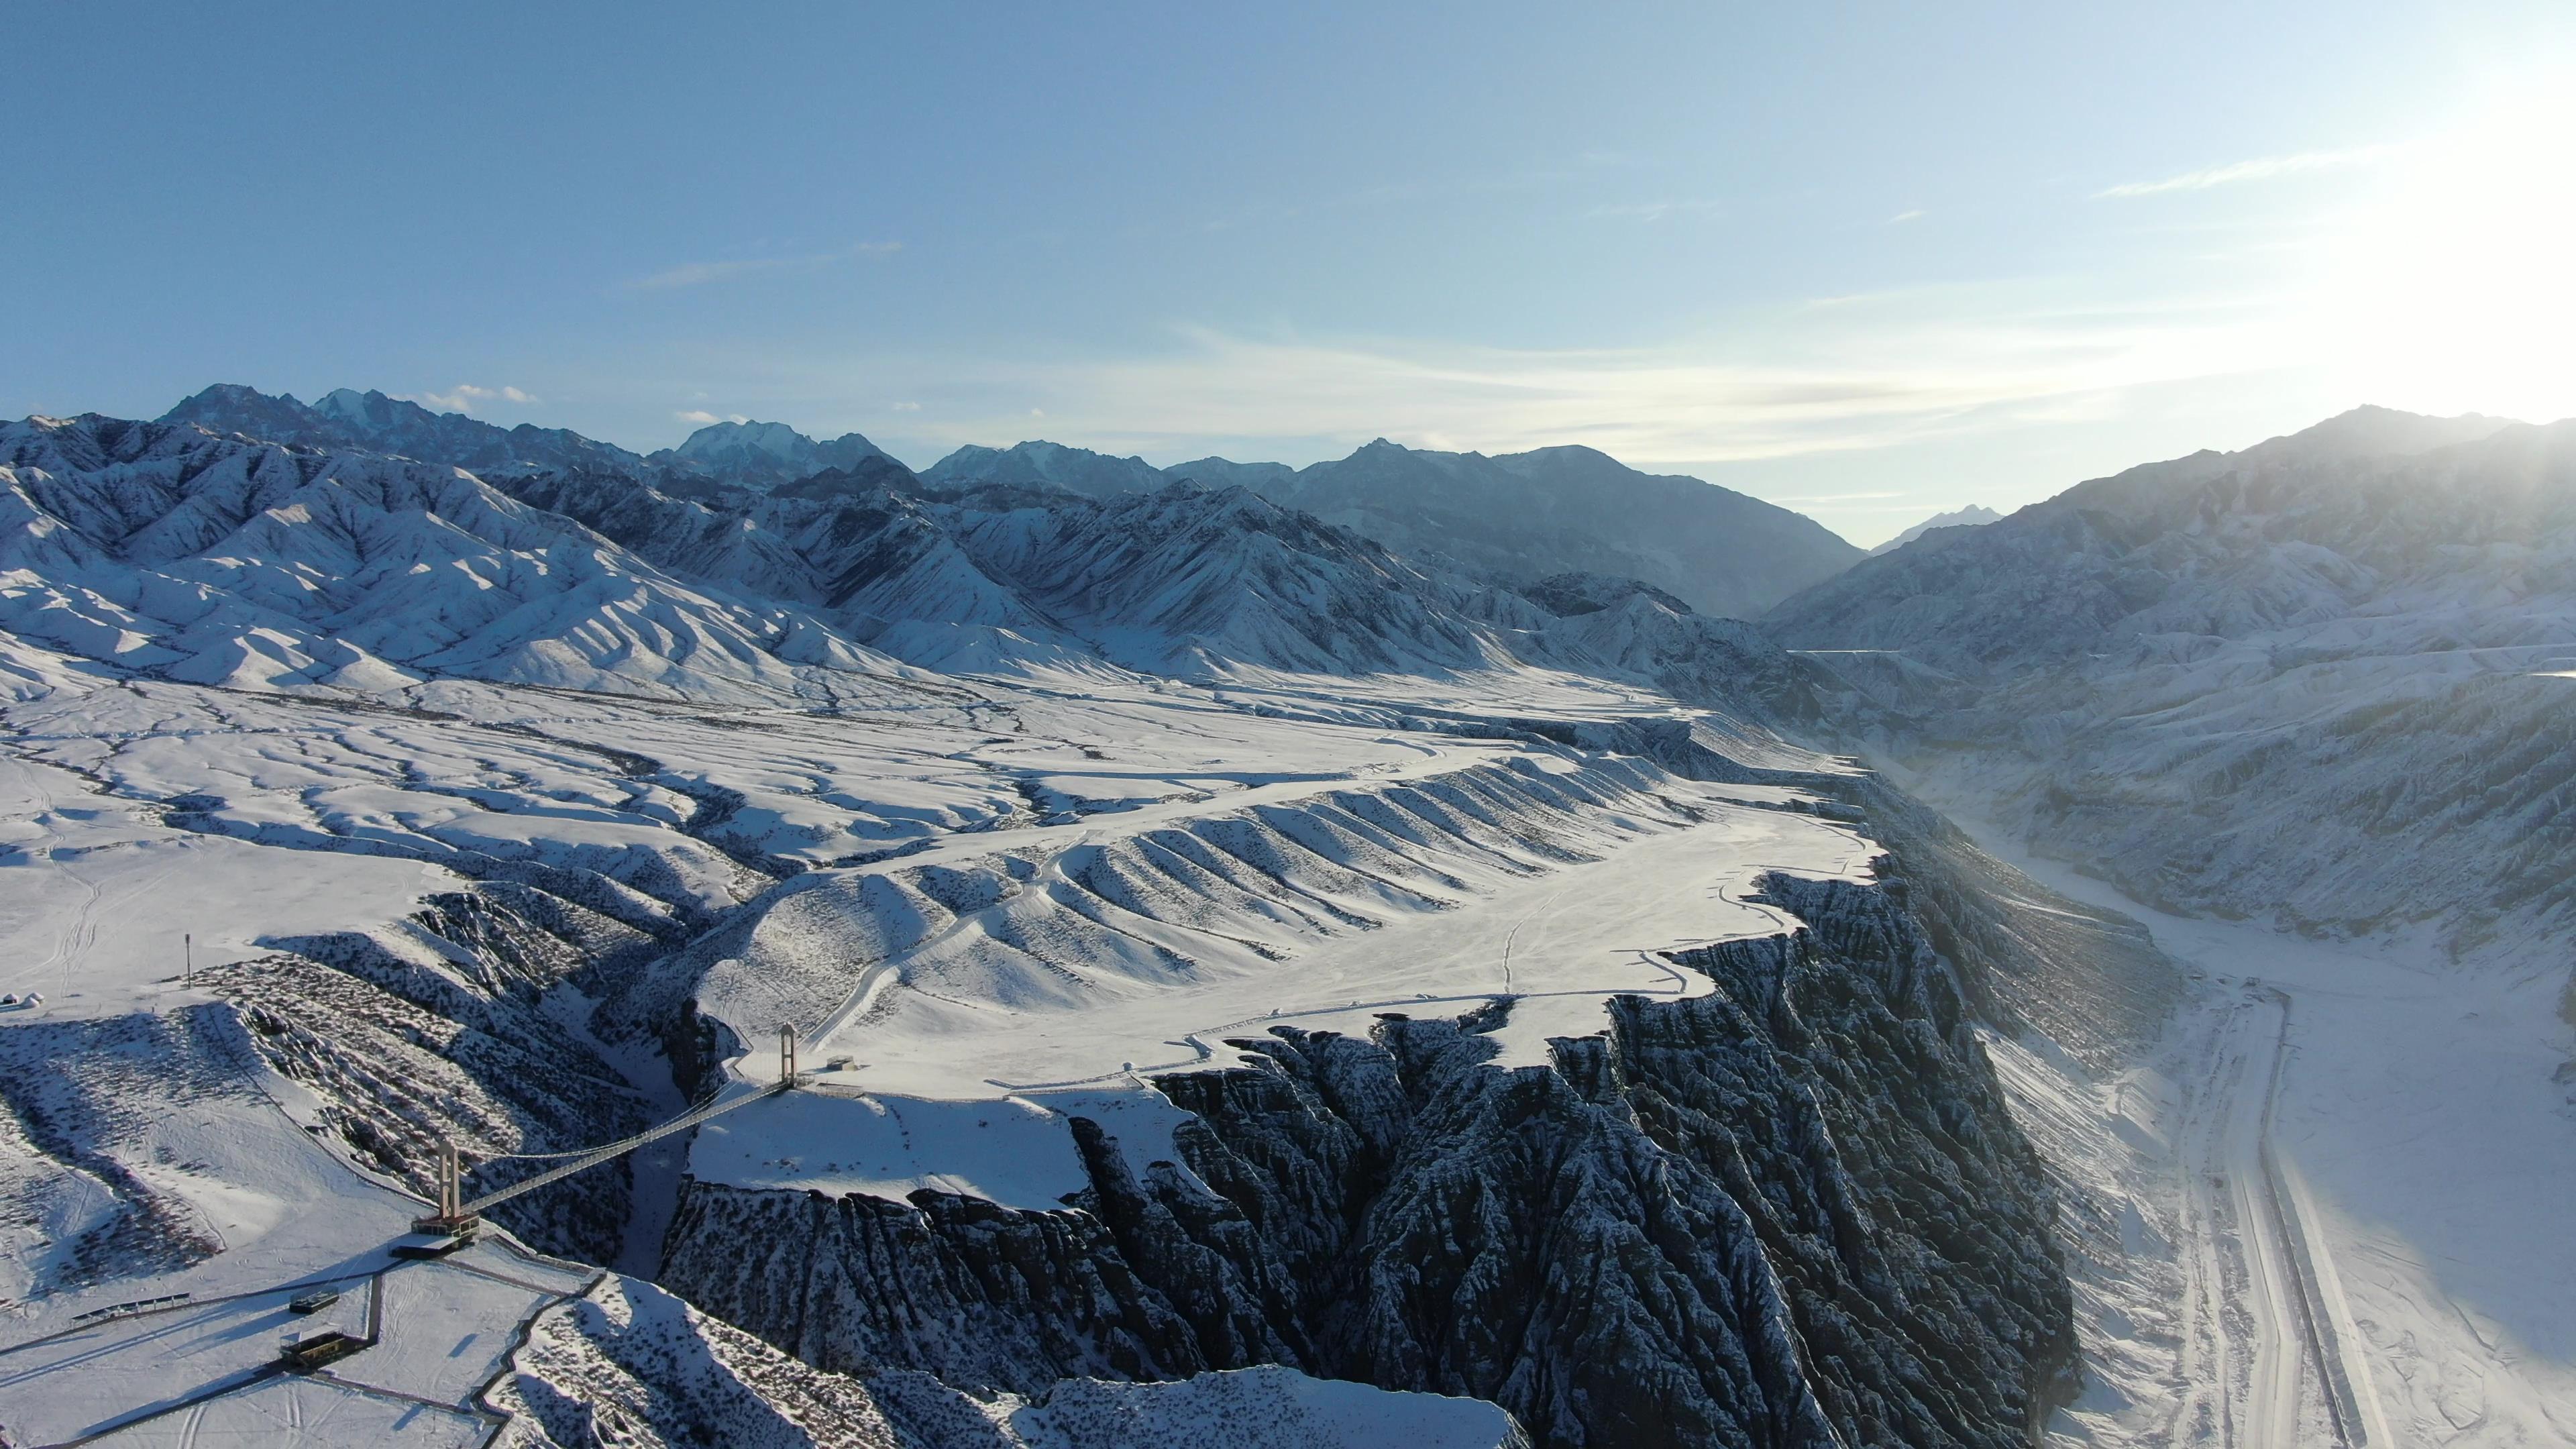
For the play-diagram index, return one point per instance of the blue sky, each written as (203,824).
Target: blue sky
(1868,261)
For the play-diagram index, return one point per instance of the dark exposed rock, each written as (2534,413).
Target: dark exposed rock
(1789,1212)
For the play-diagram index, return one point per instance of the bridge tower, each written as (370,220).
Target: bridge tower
(786,1057)
(451,1219)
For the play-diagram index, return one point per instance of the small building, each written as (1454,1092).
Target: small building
(304,1355)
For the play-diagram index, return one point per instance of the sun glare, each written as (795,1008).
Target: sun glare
(2454,290)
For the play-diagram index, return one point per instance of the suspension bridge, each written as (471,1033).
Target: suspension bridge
(457,1216)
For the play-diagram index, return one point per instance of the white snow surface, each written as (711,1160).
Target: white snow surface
(979,996)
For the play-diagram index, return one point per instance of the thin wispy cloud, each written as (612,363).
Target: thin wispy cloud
(703,418)
(1905,216)
(2263,168)
(466,396)
(698,274)
(1915,367)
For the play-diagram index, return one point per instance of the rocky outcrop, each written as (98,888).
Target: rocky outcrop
(438,1032)
(629,1364)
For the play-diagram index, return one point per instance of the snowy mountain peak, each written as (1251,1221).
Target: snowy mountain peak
(765,455)
(1972,516)
(716,440)
(373,413)
(230,407)
(1077,470)
(2374,431)
(347,404)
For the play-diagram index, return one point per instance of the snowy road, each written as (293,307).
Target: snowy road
(2260,1367)
(2395,1233)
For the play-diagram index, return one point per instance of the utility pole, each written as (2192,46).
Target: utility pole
(786,1057)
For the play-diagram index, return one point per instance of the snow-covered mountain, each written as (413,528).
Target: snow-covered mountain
(1048,465)
(751,455)
(1522,516)
(170,550)
(764,454)
(1185,581)
(380,424)
(1968,517)
(2233,680)
(1504,521)
(1267,479)
(1510,519)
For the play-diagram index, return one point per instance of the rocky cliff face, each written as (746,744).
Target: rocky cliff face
(1790,1212)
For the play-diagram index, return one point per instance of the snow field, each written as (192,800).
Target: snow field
(957,1007)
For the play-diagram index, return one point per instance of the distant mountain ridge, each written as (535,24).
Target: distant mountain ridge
(174,551)
(2296,529)
(765,454)
(753,454)
(372,421)
(1512,519)
(1972,516)
(1053,465)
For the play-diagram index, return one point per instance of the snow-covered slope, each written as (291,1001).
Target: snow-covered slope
(165,548)
(630,1364)
(501,858)
(2321,680)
